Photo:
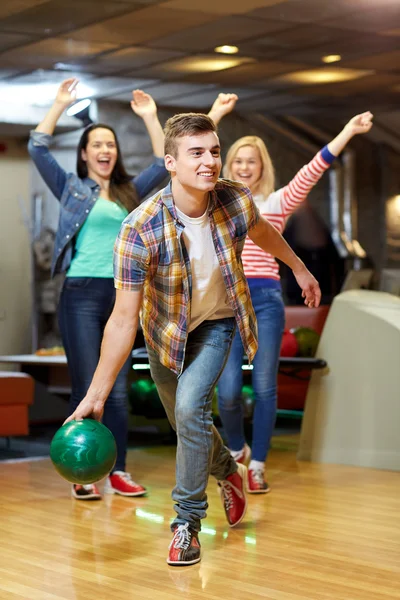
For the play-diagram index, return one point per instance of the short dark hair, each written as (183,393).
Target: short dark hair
(185,124)
(121,187)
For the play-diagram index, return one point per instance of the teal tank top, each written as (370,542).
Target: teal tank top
(95,240)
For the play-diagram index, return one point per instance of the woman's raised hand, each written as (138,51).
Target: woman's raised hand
(143,104)
(66,93)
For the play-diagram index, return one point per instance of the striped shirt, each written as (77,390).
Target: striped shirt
(277,208)
(150,254)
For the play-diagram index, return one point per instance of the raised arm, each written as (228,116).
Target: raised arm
(144,106)
(297,190)
(52,173)
(118,339)
(359,124)
(66,95)
(223,105)
(264,235)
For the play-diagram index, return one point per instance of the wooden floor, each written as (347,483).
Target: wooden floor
(323,532)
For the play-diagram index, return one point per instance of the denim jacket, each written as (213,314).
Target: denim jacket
(77,196)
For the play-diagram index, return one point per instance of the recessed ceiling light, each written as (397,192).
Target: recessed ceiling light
(227,49)
(204,64)
(324,75)
(331,58)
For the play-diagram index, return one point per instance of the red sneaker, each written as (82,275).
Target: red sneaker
(85,492)
(185,547)
(233,495)
(256,483)
(122,483)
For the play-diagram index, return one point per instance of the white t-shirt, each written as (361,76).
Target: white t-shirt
(209,297)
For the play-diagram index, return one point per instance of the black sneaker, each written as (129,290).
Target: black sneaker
(86,492)
(185,547)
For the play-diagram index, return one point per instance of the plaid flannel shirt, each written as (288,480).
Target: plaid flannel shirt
(150,253)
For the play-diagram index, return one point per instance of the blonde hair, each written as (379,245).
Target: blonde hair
(266,184)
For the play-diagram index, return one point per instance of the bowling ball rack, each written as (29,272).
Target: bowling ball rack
(288,365)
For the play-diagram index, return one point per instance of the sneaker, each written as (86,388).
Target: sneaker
(256,483)
(242,456)
(85,492)
(122,483)
(185,547)
(233,495)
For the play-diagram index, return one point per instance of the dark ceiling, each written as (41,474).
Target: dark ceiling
(168,49)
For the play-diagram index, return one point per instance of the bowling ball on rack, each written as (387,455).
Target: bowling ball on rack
(307,340)
(289,346)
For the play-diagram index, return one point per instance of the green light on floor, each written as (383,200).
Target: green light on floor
(142,514)
(208,531)
(250,540)
(225,535)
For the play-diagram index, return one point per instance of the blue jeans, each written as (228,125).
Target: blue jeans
(187,400)
(85,306)
(270,313)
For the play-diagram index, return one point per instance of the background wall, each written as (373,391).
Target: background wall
(377,183)
(15,267)
(391,192)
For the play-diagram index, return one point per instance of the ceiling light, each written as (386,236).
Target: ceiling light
(78,107)
(227,49)
(324,75)
(80,110)
(204,64)
(331,58)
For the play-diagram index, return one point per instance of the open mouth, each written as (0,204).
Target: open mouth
(104,161)
(207,175)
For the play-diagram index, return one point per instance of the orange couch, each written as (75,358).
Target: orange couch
(292,390)
(16,394)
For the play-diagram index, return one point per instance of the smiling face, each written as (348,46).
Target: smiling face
(197,161)
(100,153)
(247,166)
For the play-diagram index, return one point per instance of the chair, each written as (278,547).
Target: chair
(16,394)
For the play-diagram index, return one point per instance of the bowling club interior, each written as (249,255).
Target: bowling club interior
(301,69)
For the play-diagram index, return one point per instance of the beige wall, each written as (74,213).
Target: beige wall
(15,270)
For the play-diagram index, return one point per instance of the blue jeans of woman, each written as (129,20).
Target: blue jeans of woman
(187,400)
(85,306)
(269,309)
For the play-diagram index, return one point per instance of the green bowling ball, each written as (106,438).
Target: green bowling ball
(307,340)
(215,409)
(83,451)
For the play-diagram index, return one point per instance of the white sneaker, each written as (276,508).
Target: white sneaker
(242,456)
